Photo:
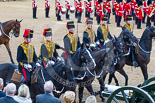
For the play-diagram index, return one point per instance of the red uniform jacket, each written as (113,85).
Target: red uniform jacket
(79,7)
(133,3)
(75,4)
(104,4)
(67,5)
(139,13)
(34,3)
(149,10)
(59,7)
(89,7)
(99,9)
(108,7)
(145,6)
(47,4)
(127,9)
(120,10)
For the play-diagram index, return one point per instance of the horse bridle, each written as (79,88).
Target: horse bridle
(13,33)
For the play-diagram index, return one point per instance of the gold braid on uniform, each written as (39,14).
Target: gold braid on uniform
(73,40)
(104,32)
(28,48)
(91,35)
(128,26)
(50,45)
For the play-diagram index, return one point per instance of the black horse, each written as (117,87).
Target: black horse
(104,60)
(143,57)
(55,74)
(61,76)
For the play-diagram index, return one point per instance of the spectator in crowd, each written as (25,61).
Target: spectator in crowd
(69,97)
(10,92)
(47,97)
(2,94)
(91,99)
(23,95)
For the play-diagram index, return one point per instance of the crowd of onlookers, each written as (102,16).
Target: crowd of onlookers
(7,94)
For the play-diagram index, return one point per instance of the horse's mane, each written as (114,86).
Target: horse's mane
(6,22)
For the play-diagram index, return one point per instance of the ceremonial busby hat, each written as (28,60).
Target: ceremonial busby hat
(129,17)
(128,1)
(89,21)
(149,2)
(100,1)
(47,32)
(140,3)
(120,1)
(28,33)
(104,17)
(137,1)
(70,24)
(108,0)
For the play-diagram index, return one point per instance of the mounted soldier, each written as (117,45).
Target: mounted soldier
(48,53)
(103,31)
(26,56)
(128,21)
(89,37)
(71,42)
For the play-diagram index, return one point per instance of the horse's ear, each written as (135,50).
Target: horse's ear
(114,36)
(123,28)
(21,20)
(82,46)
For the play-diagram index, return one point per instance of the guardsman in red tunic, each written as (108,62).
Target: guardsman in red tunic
(104,6)
(86,8)
(139,15)
(95,1)
(99,11)
(67,5)
(133,3)
(144,9)
(128,8)
(75,4)
(119,13)
(58,10)
(108,7)
(149,13)
(34,6)
(116,7)
(47,8)
(79,10)
(89,8)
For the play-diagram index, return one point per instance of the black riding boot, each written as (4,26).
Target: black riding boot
(134,63)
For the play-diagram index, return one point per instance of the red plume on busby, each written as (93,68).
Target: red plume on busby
(28,33)
(47,32)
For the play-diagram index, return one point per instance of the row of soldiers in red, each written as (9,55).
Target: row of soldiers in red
(34,6)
